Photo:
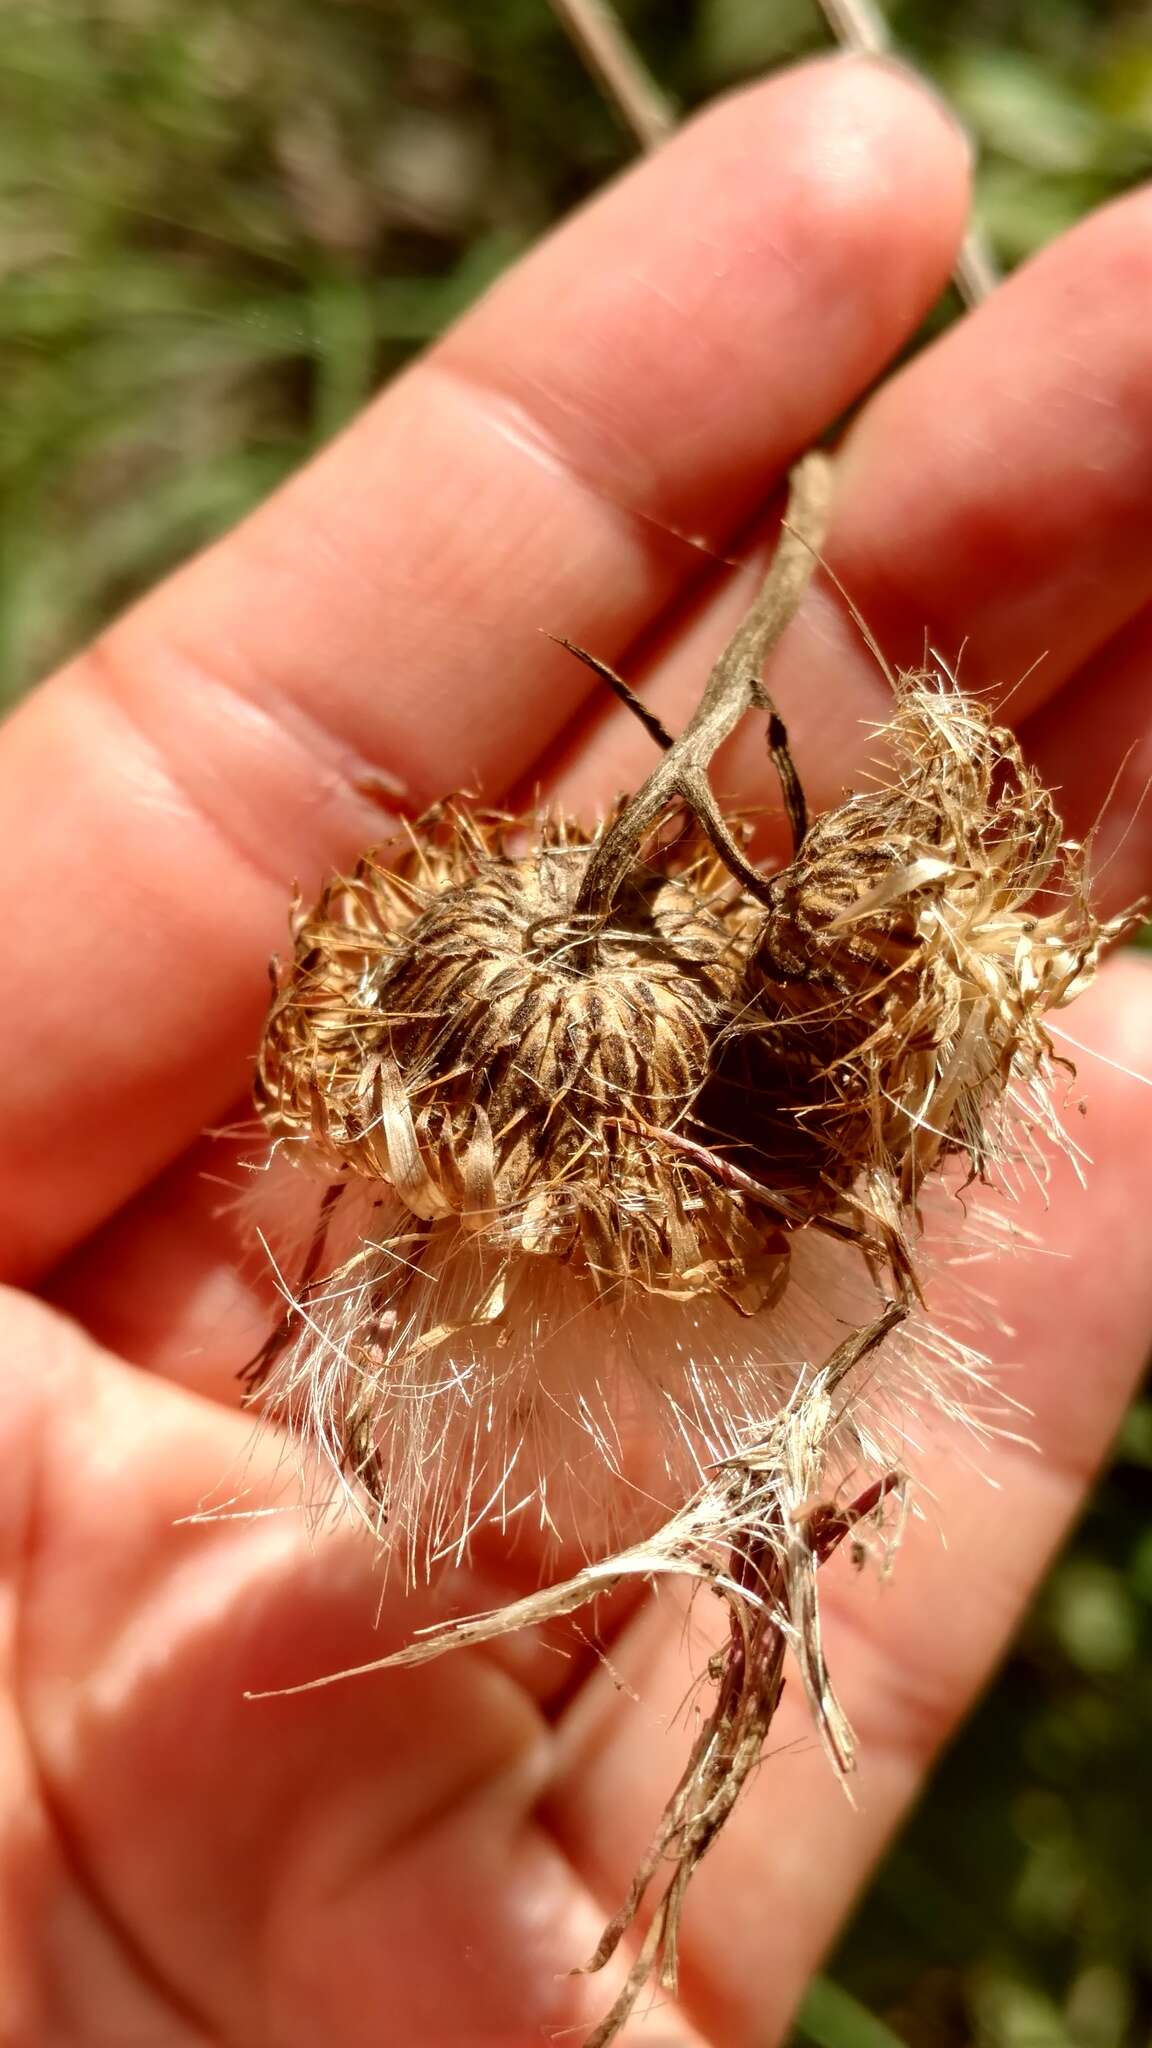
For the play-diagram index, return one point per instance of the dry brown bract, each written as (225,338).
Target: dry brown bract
(578,1107)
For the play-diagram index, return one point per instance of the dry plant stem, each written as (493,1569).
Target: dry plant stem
(749,1677)
(974,272)
(739,1537)
(726,1752)
(598,35)
(732,688)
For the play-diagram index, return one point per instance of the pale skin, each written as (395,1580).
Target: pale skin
(419,1857)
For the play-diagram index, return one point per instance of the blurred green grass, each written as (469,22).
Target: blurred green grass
(221,225)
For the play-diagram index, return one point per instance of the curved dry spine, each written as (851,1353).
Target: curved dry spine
(609,1135)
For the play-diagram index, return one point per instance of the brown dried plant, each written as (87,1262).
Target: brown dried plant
(600,1125)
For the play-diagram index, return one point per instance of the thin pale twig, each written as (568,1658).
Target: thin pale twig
(613,60)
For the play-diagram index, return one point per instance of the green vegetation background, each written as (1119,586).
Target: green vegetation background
(222,223)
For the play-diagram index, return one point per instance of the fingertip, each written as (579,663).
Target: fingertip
(907,95)
(994,494)
(865,144)
(711,312)
(846,96)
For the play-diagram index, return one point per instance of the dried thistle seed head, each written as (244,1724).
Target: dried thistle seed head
(666,1099)
(564,1110)
(452,1028)
(629,1055)
(912,950)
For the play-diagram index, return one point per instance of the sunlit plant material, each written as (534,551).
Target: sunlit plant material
(614,1148)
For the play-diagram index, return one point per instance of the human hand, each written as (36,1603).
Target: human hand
(420,1856)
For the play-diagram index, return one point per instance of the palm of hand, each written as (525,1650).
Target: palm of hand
(422,1855)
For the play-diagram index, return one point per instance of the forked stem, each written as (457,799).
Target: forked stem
(733,687)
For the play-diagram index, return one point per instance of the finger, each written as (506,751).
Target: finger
(174,1282)
(1093,747)
(354,1863)
(992,502)
(648,373)
(909,1655)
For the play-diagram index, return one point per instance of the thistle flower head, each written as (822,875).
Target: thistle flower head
(912,949)
(455,1030)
